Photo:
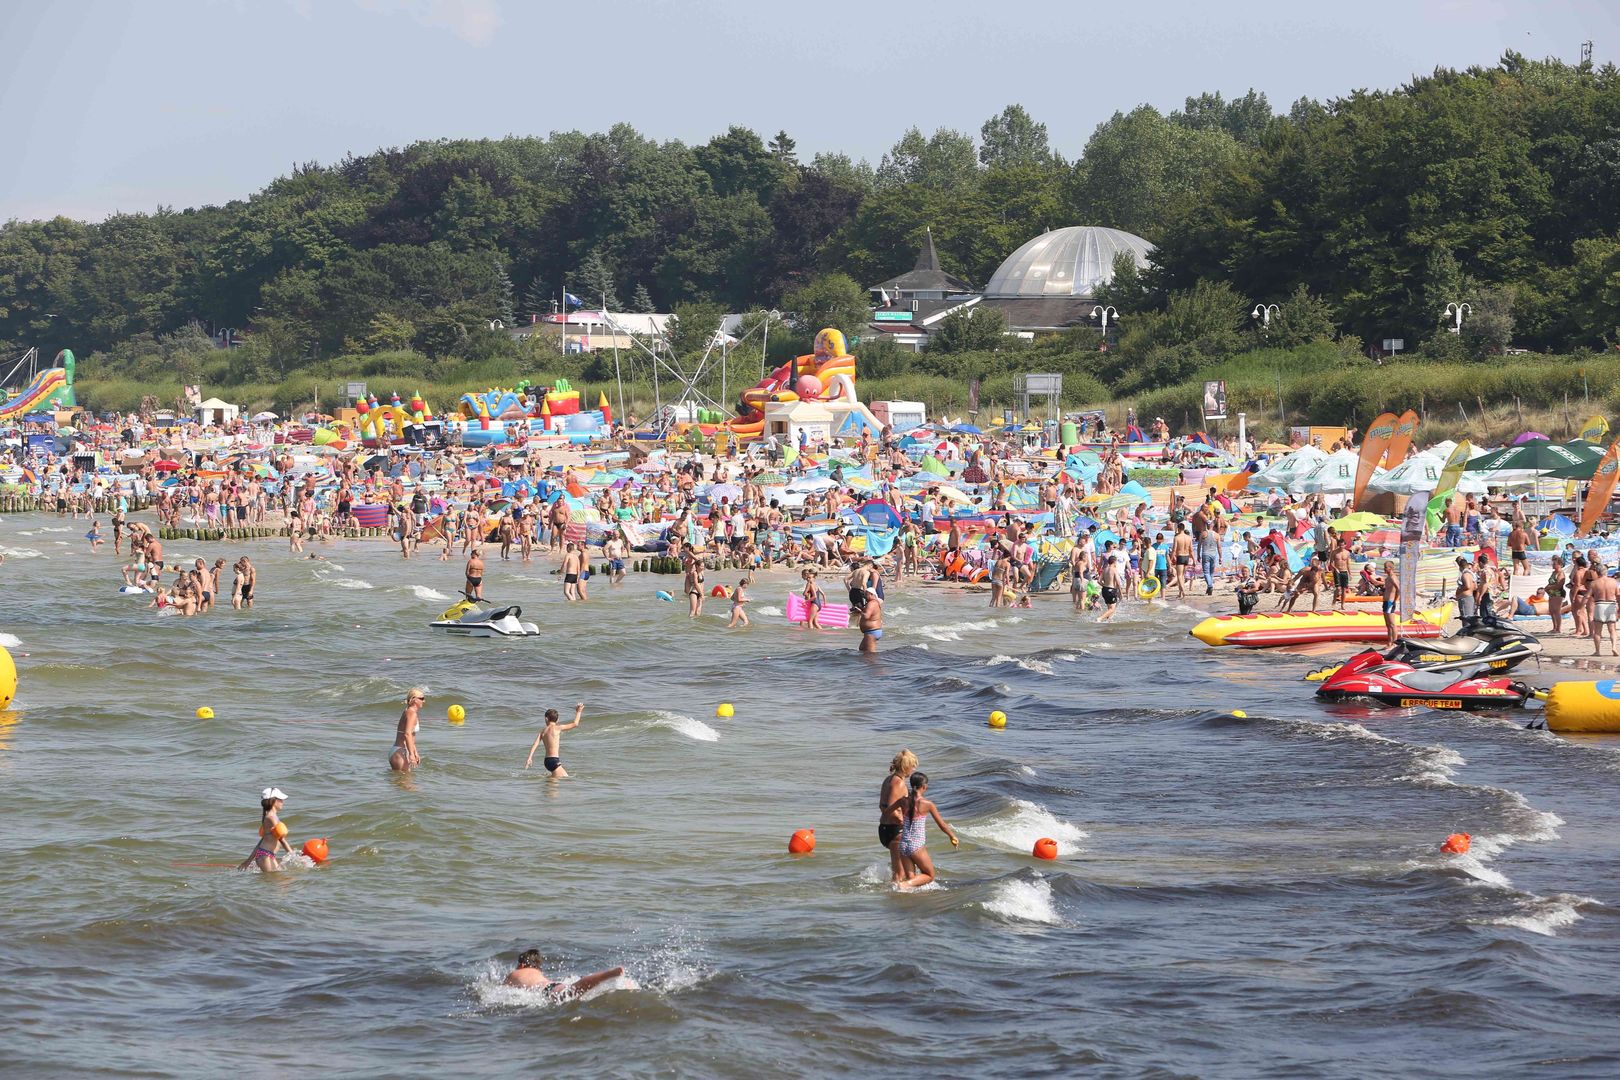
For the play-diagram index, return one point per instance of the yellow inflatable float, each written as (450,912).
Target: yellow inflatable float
(8,679)
(1584,707)
(1308,627)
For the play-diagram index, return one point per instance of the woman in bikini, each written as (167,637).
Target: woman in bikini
(892,808)
(813,599)
(272,831)
(405,756)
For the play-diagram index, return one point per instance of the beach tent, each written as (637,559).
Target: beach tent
(215,411)
(1289,469)
(1334,475)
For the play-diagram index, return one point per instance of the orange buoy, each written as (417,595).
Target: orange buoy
(802,842)
(315,849)
(1457,843)
(1045,848)
(719,590)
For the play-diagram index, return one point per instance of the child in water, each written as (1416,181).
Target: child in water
(813,599)
(738,599)
(94,535)
(914,858)
(271,829)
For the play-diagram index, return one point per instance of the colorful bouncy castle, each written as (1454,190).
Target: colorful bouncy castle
(827,374)
(384,425)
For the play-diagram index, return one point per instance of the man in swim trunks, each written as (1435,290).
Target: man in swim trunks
(1604,598)
(1518,542)
(551,737)
(1392,601)
(573,571)
(528,976)
(1340,563)
(475,574)
(1181,555)
(871,622)
(247,578)
(1113,583)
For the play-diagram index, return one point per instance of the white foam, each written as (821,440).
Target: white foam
(769,612)
(1025,901)
(954,631)
(685,725)
(1021,824)
(10,641)
(21,553)
(352,583)
(1039,667)
(422,592)
(65,528)
(1546,915)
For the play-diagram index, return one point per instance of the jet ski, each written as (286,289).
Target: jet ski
(1498,647)
(467,619)
(1403,686)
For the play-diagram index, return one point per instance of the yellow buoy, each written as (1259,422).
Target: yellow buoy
(1592,707)
(725,711)
(8,679)
(1240,714)
(456,714)
(205,713)
(998,719)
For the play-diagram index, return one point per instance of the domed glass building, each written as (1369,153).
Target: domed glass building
(1050,282)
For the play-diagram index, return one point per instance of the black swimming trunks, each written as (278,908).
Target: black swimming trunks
(552,764)
(887,831)
(570,579)
(1110,595)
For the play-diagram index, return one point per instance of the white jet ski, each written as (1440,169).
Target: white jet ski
(467,619)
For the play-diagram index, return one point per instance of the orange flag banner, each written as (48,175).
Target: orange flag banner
(1379,434)
(1405,428)
(1602,486)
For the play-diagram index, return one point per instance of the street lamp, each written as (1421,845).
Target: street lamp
(1455,312)
(1264,314)
(1105,313)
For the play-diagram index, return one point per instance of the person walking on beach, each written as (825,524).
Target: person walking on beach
(913,842)
(1392,602)
(1181,555)
(550,737)
(1604,599)
(272,830)
(1555,594)
(892,809)
(405,756)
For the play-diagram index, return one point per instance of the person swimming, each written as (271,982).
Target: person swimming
(528,976)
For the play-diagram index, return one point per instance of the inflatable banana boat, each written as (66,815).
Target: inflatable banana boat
(1309,627)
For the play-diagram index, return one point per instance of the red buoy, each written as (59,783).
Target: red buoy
(315,850)
(1457,843)
(1045,848)
(802,842)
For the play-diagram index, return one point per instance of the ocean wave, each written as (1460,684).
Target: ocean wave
(22,553)
(10,641)
(769,612)
(352,583)
(954,631)
(1029,663)
(1021,824)
(1023,901)
(422,592)
(685,725)
(1546,915)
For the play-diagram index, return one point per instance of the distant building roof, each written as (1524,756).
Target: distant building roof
(926,276)
(1073,261)
(1042,312)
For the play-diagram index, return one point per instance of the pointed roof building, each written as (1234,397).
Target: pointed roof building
(925,281)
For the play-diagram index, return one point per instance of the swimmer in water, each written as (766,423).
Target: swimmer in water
(738,598)
(272,830)
(551,736)
(405,756)
(528,976)
(914,834)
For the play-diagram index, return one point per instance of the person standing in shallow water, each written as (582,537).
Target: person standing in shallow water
(892,809)
(405,755)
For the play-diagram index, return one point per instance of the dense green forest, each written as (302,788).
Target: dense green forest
(1361,217)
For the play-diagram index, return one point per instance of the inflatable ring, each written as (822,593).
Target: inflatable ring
(1149,588)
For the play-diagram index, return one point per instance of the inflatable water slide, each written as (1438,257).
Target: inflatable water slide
(49,390)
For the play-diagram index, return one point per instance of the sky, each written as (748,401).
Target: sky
(111,106)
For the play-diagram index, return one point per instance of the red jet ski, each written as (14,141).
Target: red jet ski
(1369,677)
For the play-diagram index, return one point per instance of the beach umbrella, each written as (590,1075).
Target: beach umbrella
(1526,436)
(950,494)
(1333,475)
(965,429)
(715,492)
(1361,521)
(1537,456)
(167,466)
(259,418)
(1288,469)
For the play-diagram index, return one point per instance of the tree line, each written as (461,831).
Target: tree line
(1360,217)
